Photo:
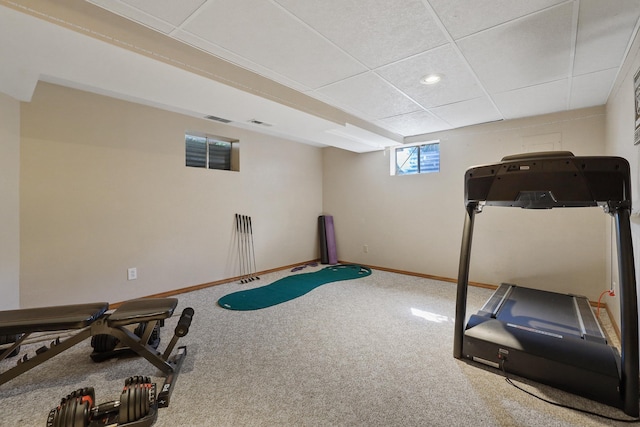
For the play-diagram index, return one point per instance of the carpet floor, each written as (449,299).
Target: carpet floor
(376,351)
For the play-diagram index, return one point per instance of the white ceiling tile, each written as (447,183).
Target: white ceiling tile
(534,100)
(605,28)
(458,83)
(591,89)
(134,14)
(526,52)
(232,57)
(263,33)
(461,18)
(377,32)
(173,12)
(161,15)
(465,113)
(371,95)
(414,124)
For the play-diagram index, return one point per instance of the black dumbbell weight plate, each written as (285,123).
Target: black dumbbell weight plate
(134,401)
(103,343)
(154,338)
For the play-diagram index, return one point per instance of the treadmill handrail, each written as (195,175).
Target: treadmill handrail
(541,181)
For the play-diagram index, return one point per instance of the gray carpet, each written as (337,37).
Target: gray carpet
(376,351)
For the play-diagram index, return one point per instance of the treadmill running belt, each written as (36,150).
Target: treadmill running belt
(541,310)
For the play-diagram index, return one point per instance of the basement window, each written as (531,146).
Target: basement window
(416,158)
(210,152)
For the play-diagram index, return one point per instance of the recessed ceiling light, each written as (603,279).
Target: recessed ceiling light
(431,79)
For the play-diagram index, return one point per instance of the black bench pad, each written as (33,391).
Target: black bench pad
(56,318)
(142,310)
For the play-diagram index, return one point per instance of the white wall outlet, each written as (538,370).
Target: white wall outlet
(132,273)
(365,249)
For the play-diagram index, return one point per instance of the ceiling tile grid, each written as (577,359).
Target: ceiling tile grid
(418,123)
(603,33)
(458,82)
(161,15)
(588,89)
(234,58)
(376,32)
(462,18)
(499,59)
(524,52)
(533,100)
(465,113)
(369,94)
(263,33)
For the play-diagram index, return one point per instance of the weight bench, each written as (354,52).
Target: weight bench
(92,320)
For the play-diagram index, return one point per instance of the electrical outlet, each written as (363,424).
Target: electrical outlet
(132,273)
(365,249)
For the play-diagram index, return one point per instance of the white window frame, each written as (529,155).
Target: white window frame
(394,153)
(209,140)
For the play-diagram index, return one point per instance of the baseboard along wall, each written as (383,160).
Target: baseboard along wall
(603,306)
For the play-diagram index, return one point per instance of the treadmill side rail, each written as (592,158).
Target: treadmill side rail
(493,304)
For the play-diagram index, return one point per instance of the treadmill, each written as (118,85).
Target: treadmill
(544,336)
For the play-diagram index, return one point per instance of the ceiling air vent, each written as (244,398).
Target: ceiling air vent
(258,122)
(217,119)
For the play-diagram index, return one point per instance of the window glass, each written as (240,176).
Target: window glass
(429,158)
(209,152)
(407,160)
(196,151)
(414,159)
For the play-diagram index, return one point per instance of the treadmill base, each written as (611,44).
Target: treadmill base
(586,368)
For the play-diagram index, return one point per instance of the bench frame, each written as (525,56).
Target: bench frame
(96,320)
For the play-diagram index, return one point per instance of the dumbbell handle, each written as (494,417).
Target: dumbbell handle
(185,321)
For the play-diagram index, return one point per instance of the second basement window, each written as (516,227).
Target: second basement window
(210,152)
(416,158)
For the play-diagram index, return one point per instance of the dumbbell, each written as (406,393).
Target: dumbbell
(78,408)
(134,400)
(103,343)
(154,338)
(74,410)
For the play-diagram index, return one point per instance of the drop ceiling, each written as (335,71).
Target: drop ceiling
(342,73)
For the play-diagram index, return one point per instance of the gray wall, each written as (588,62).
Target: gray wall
(10,205)
(104,187)
(620,142)
(414,223)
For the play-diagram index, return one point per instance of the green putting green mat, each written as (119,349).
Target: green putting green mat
(290,287)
